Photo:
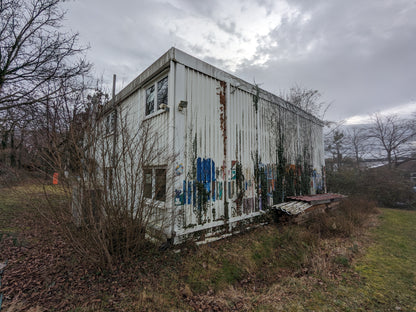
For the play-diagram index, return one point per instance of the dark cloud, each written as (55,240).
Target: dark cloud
(360,55)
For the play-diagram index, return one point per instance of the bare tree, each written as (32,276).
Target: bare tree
(356,141)
(307,99)
(35,52)
(393,134)
(335,144)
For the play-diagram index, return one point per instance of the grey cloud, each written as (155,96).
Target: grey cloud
(361,52)
(205,8)
(363,58)
(228,26)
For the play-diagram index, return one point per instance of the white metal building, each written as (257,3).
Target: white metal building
(225,134)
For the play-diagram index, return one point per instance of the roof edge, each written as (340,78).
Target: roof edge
(177,55)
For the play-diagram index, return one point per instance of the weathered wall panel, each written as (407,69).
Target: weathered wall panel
(223,131)
(225,145)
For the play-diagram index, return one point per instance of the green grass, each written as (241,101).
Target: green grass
(389,266)
(383,279)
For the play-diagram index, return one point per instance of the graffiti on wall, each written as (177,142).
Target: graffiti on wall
(317,181)
(205,182)
(241,187)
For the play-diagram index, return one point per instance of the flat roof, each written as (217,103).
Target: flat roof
(178,56)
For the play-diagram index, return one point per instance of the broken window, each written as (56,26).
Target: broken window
(157,93)
(154,183)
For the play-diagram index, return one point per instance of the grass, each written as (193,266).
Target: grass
(338,261)
(389,266)
(383,279)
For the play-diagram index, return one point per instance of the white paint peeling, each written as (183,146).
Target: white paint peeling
(216,137)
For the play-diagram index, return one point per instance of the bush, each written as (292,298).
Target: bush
(388,187)
(103,207)
(344,220)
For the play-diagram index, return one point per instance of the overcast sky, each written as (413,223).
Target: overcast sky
(361,55)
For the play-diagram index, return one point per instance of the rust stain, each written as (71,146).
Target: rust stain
(223,115)
(223,126)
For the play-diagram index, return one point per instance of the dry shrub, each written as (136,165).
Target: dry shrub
(389,187)
(103,205)
(344,220)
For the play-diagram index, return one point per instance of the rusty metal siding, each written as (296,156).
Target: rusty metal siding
(224,129)
(218,132)
(204,143)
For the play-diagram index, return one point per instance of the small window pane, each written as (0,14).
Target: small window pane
(160,193)
(150,100)
(147,183)
(162,92)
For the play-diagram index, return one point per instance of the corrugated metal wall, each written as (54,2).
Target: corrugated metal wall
(216,140)
(223,133)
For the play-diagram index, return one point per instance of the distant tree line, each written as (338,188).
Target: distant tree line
(367,160)
(387,139)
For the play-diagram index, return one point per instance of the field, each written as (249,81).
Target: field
(356,258)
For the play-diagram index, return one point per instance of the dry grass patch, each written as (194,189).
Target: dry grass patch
(271,268)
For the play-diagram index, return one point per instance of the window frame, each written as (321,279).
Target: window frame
(156,105)
(155,190)
(110,122)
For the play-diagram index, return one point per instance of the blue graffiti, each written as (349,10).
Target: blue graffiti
(189,192)
(183,199)
(205,173)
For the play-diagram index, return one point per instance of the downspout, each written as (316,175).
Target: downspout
(259,190)
(228,130)
(172,73)
(115,122)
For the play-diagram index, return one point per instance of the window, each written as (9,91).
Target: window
(110,123)
(160,190)
(147,183)
(157,93)
(162,92)
(150,100)
(154,183)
